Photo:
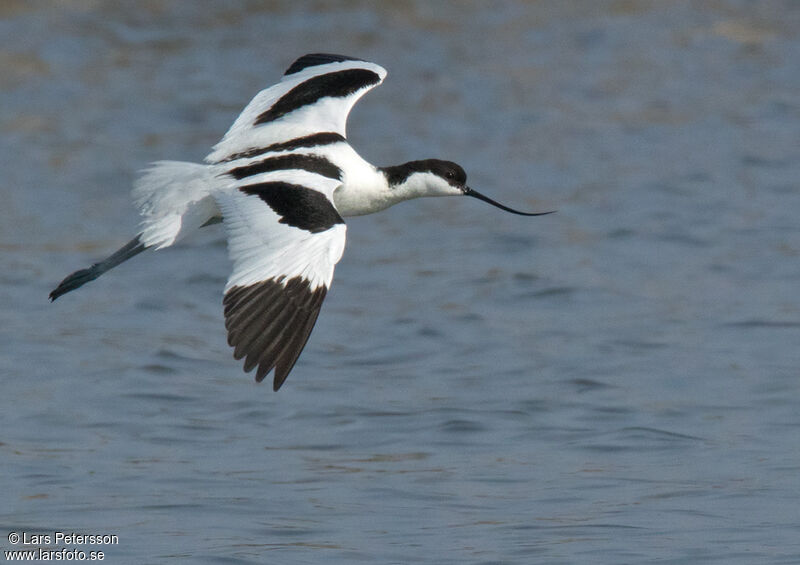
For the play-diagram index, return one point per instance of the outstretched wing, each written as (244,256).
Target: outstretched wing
(314,97)
(284,238)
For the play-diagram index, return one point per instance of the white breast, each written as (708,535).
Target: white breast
(364,189)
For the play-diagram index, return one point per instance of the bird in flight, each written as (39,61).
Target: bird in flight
(280,180)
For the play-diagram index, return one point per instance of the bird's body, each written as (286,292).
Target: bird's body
(281,180)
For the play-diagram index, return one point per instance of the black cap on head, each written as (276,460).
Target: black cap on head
(448,170)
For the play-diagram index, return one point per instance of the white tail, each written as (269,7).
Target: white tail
(174,199)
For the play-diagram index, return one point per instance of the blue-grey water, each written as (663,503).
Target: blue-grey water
(615,383)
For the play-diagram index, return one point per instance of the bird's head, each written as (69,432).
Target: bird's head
(434,177)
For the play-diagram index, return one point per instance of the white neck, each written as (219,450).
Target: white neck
(366,189)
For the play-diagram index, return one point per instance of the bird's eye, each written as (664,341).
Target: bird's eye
(450,174)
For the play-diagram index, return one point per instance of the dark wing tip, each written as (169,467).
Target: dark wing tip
(270,322)
(314,59)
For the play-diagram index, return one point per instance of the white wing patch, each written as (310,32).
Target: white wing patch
(314,99)
(262,246)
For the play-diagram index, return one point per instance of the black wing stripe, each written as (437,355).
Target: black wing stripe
(298,206)
(312,163)
(314,59)
(314,140)
(337,84)
(269,323)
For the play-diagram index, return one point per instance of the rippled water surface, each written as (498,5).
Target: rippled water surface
(614,383)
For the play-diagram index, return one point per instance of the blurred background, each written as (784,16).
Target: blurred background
(614,383)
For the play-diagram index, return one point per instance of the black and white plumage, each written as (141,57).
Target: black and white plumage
(281,180)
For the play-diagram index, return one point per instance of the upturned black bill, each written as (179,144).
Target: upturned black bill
(475,194)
